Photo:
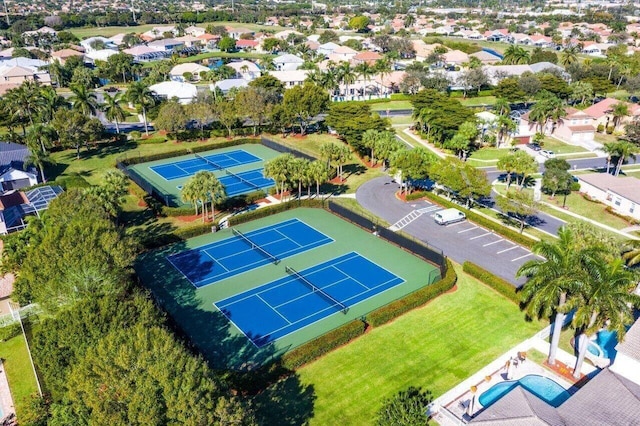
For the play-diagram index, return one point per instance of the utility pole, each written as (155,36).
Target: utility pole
(133,11)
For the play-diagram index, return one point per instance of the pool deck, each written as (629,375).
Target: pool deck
(451,408)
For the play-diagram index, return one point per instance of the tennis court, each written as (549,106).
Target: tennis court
(243,252)
(281,307)
(212,162)
(238,168)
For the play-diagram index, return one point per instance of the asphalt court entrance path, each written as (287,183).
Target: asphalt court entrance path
(460,241)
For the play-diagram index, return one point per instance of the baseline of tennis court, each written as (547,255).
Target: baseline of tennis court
(240,183)
(213,162)
(271,311)
(234,255)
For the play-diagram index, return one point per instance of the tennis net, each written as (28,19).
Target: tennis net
(206,160)
(254,246)
(317,289)
(241,179)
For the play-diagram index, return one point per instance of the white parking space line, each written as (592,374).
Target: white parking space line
(454,224)
(510,248)
(429,209)
(521,257)
(480,236)
(493,242)
(467,230)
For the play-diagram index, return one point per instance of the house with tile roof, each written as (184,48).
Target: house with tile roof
(602,112)
(366,56)
(575,128)
(62,55)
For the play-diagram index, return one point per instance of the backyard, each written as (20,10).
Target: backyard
(19,372)
(422,348)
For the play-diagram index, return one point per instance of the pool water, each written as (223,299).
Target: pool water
(607,340)
(542,387)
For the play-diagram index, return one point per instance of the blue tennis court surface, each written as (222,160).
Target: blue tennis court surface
(269,312)
(185,168)
(244,182)
(232,256)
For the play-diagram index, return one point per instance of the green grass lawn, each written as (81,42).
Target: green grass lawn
(478,101)
(391,106)
(560,147)
(402,119)
(19,372)
(489,154)
(436,347)
(111,31)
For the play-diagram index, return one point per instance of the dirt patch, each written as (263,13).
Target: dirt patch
(563,370)
(191,218)
(338,180)
(142,204)
(286,194)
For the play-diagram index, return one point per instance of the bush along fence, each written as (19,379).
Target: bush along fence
(507,233)
(285,148)
(503,287)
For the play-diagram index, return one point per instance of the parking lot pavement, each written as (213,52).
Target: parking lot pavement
(460,241)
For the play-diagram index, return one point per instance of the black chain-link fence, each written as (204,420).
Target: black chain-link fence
(281,147)
(428,253)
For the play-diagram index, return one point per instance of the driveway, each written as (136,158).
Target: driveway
(460,241)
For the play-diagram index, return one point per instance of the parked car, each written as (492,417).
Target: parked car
(534,146)
(547,154)
(112,89)
(447,216)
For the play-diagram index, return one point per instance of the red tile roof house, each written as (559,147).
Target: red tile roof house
(246,44)
(575,128)
(366,56)
(602,112)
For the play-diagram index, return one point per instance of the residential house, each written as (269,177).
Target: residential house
(455,57)
(62,55)
(287,62)
(14,72)
(290,78)
(237,32)
(602,112)
(327,49)
(189,40)
(245,69)
(178,72)
(118,39)
(143,53)
(247,45)
(194,31)
(283,35)
(225,86)
(184,92)
(423,50)
(14,173)
(209,41)
(369,57)
(485,57)
(16,205)
(342,53)
(622,194)
(93,44)
(99,55)
(574,128)
(166,45)
(497,72)
(158,32)
(597,49)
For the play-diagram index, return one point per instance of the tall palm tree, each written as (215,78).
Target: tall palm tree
(214,190)
(38,158)
(190,192)
(618,112)
(347,77)
(140,95)
(554,281)
(42,136)
(49,103)
(383,67)
(278,169)
(621,150)
(515,55)
(605,299)
(113,111)
(318,172)
(23,103)
(569,55)
(365,71)
(611,150)
(83,100)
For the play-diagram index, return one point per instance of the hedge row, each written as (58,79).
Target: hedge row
(416,299)
(185,151)
(416,195)
(322,345)
(508,233)
(177,211)
(151,242)
(10,331)
(270,210)
(503,287)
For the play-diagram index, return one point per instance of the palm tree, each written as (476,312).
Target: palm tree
(342,155)
(318,172)
(631,253)
(189,193)
(278,169)
(38,158)
(569,55)
(347,76)
(299,173)
(370,140)
(515,55)
(505,126)
(140,95)
(41,135)
(23,103)
(618,112)
(83,100)
(554,281)
(113,111)
(621,150)
(365,71)
(605,300)
(611,150)
(502,107)
(383,67)
(214,190)
(49,103)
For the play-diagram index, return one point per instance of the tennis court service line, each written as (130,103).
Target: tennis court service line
(316,289)
(206,160)
(254,246)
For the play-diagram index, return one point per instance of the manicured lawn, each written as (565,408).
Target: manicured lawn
(478,101)
(559,147)
(391,106)
(111,31)
(401,119)
(493,154)
(436,347)
(19,372)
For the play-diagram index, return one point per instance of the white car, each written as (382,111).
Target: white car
(547,154)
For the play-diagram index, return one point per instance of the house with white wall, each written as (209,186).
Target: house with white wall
(622,194)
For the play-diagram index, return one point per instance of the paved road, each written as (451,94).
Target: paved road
(460,241)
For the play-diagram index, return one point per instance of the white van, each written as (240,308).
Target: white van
(445,217)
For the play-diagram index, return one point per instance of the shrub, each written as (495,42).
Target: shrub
(177,211)
(418,298)
(73,180)
(135,134)
(629,219)
(322,345)
(416,195)
(10,331)
(575,186)
(600,128)
(270,210)
(610,129)
(153,140)
(505,232)
(503,287)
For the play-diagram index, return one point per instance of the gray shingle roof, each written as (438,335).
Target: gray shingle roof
(519,407)
(12,155)
(631,344)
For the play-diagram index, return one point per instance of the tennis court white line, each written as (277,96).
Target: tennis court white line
(493,242)
(273,309)
(521,257)
(214,260)
(307,294)
(480,236)
(288,238)
(467,230)
(509,249)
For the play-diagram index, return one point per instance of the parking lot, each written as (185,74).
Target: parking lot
(460,241)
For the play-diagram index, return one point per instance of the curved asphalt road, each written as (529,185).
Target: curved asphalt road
(460,241)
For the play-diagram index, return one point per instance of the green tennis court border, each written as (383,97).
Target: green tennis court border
(224,346)
(169,189)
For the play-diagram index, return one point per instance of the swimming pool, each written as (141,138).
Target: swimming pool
(606,341)
(542,387)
